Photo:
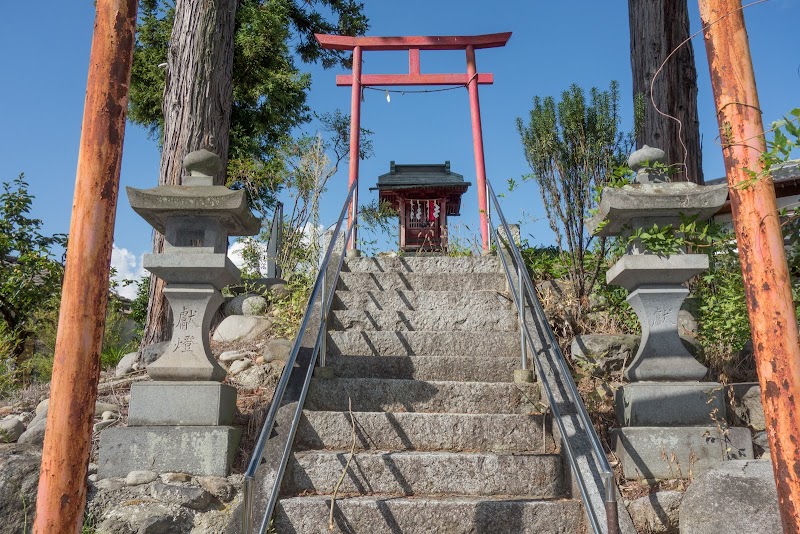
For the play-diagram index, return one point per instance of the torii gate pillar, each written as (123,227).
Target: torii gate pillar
(470,80)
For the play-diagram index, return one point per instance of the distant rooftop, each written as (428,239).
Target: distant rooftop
(786,179)
(407,176)
(785,173)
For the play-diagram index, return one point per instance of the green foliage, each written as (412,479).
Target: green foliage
(779,149)
(8,365)
(289,310)
(378,216)
(374,220)
(29,276)
(723,321)
(118,339)
(573,147)
(544,263)
(306,166)
(664,240)
(139,304)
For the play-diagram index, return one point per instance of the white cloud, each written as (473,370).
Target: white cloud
(128,267)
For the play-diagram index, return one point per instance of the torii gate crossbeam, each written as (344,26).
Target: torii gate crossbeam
(471,79)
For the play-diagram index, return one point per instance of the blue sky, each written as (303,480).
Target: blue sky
(45,61)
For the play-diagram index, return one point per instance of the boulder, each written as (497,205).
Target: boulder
(259,376)
(127,364)
(260,286)
(238,366)
(279,291)
(19,481)
(136,478)
(188,496)
(34,434)
(138,517)
(252,378)
(110,484)
(745,407)
(172,478)
(657,513)
(219,487)
(737,496)
(233,355)
(11,429)
(247,304)
(241,328)
(687,324)
(41,408)
(277,350)
(761,439)
(101,407)
(153,352)
(608,352)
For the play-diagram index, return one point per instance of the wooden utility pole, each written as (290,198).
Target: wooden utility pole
(657,28)
(773,323)
(76,369)
(198,96)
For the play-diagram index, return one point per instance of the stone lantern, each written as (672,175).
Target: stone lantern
(672,422)
(183,420)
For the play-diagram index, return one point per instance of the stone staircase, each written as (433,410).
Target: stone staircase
(424,350)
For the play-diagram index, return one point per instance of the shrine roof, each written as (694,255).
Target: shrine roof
(406,176)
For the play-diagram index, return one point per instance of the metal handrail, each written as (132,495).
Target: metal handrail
(526,292)
(319,289)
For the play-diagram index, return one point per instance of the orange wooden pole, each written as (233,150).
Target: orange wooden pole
(76,370)
(773,323)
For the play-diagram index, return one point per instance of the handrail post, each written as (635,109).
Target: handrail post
(247,512)
(323,348)
(523,347)
(612,514)
(488,219)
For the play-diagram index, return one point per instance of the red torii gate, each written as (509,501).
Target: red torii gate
(414,77)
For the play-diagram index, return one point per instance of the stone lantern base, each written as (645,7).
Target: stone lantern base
(174,426)
(675,430)
(654,453)
(196,450)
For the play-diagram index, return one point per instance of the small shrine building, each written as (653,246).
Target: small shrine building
(424,195)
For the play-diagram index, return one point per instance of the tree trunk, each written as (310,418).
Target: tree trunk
(657,27)
(197,112)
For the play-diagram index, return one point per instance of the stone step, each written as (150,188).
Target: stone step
(484,345)
(425,431)
(448,368)
(425,265)
(444,319)
(422,282)
(421,300)
(429,515)
(426,473)
(389,395)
